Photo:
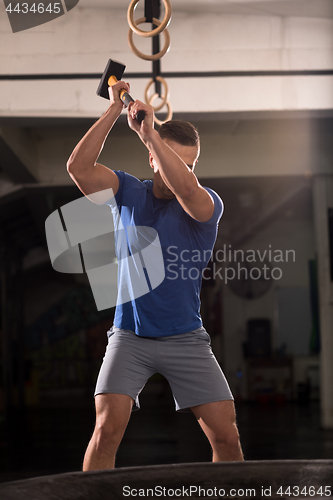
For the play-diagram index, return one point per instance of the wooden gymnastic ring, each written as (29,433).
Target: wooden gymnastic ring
(169,115)
(165,96)
(153,57)
(156,31)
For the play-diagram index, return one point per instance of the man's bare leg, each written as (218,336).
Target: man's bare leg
(113,412)
(218,421)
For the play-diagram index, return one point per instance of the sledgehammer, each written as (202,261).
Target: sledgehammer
(112,73)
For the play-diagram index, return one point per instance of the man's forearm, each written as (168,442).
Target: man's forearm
(174,172)
(90,146)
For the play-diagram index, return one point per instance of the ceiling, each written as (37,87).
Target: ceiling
(281,8)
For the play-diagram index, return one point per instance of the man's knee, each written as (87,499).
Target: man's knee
(107,435)
(227,436)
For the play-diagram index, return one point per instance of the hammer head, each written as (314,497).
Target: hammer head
(113,68)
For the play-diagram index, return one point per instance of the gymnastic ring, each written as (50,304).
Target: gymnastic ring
(156,31)
(149,100)
(169,115)
(153,57)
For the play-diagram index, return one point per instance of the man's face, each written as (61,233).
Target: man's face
(189,155)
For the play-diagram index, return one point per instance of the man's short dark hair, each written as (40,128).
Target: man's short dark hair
(180,131)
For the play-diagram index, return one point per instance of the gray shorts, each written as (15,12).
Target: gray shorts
(185,360)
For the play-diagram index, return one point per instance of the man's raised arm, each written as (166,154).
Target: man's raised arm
(90,176)
(173,167)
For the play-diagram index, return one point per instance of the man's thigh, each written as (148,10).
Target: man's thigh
(127,365)
(195,377)
(113,410)
(217,415)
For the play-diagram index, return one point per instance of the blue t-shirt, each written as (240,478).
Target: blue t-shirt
(173,306)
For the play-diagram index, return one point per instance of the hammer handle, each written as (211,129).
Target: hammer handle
(126,98)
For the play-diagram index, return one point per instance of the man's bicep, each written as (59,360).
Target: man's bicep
(200,205)
(97,181)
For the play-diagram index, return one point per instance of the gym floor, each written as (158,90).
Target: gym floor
(52,440)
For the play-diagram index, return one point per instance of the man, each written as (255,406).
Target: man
(161,331)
